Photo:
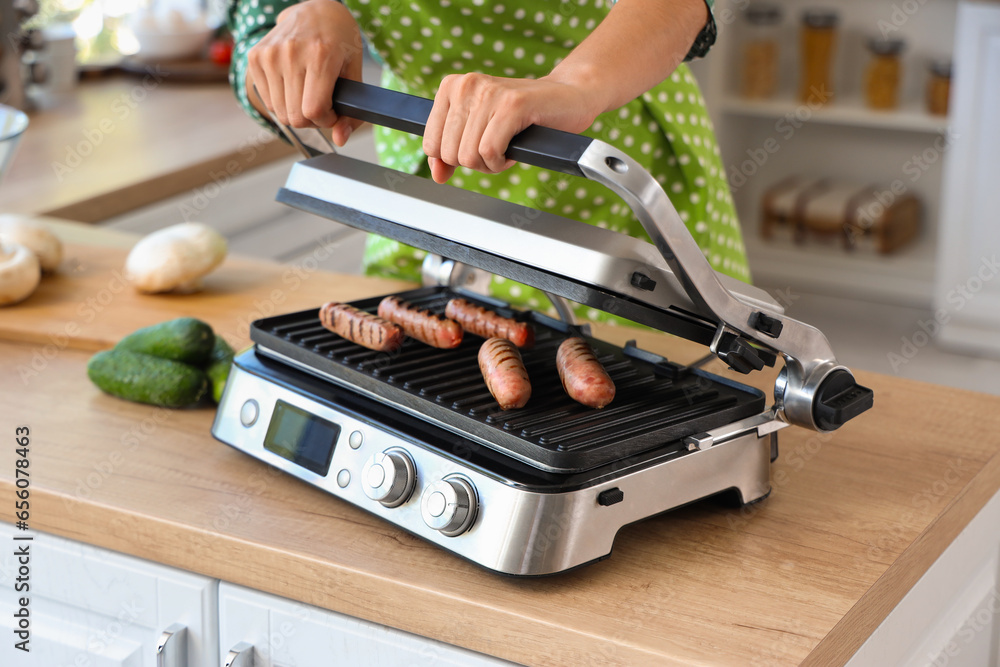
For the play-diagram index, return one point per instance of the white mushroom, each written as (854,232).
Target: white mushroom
(34,236)
(175,258)
(20,273)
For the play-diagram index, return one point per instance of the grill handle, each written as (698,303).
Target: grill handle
(536,145)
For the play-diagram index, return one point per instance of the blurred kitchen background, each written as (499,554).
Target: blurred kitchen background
(859,138)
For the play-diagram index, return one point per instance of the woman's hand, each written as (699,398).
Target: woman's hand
(475,116)
(297,63)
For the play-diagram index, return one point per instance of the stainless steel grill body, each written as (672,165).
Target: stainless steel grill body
(527,522)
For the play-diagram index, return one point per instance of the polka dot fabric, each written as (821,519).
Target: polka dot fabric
(666,130)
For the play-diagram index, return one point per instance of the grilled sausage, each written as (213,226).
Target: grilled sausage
(482,322)
(583,377)
(504,372)
(360,327)
(427,327)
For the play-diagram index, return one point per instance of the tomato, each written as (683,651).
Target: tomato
(220,52)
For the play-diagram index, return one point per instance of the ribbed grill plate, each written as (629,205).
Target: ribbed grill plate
(656,403)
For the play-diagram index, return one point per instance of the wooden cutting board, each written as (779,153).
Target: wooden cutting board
(87,305)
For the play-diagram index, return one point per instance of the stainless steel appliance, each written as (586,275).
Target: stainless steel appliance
(414,436)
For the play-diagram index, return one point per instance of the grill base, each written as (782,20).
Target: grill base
(529,522)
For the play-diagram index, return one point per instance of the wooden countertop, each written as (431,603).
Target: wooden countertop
(121,143)
(855,519)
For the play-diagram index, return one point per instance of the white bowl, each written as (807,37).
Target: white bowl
(158,45)
(13,123)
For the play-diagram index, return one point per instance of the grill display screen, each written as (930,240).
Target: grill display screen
(302,438)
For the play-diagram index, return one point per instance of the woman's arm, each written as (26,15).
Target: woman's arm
(299,56)
(637,45)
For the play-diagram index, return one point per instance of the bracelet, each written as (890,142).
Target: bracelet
(705,39)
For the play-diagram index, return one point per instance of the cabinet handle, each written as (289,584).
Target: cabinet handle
(171,649)
(240,655)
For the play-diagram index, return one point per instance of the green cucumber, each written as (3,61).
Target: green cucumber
(144,378)
(220,361)
(185,339)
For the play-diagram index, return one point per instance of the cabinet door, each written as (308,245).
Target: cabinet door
(89,607)
(283,633)
(951,616)
(968,282)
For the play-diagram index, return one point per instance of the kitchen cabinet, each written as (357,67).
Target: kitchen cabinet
(90,607)
(967,295)
(282,633)
(763,142)
(951,617)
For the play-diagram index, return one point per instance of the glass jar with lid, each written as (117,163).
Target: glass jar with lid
(884,73)
(939,87)
(818,42)
(760,52)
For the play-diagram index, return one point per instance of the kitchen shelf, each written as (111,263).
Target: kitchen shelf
(905,277)
(851,112)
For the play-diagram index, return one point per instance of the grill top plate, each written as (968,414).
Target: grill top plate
(655,403)
(603,269)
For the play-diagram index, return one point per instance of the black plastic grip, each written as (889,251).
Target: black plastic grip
(840,399)
(537,146)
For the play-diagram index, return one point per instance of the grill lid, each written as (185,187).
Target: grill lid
(673,289)
(606,270)
(603,269)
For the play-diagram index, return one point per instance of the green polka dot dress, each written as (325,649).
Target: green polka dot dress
(666,130)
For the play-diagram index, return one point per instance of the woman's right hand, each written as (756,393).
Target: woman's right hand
(297,63)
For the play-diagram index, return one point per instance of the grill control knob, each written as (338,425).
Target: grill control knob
(388,477)
(449,505)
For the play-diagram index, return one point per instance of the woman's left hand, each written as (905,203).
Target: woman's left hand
(476,115)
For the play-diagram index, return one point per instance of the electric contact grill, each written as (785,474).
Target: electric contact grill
(414,436)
